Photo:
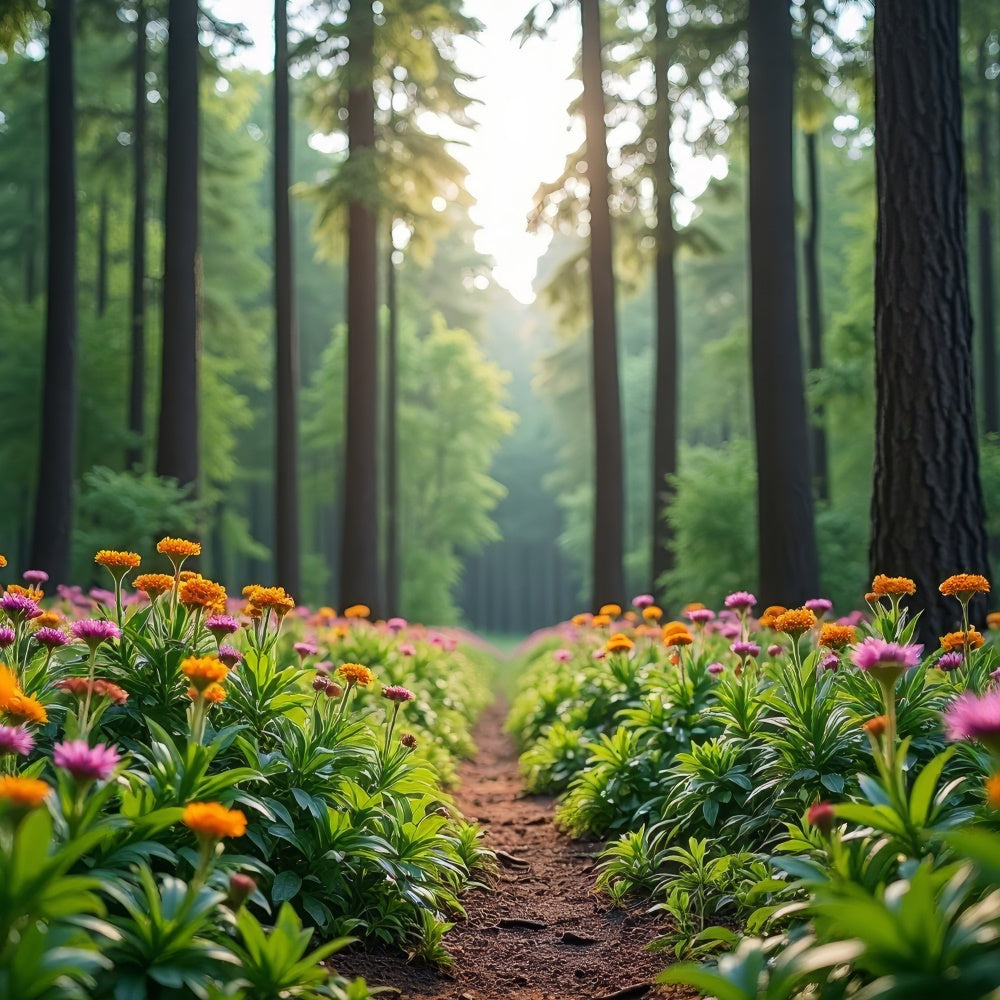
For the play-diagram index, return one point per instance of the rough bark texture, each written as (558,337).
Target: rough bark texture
(666,386)
(53,526)
(286,451)
(177,441)
(359,555)
(788,565)
(927,508)
(137,361)
(987,300)
(814,315)
(393,574)
(609,504)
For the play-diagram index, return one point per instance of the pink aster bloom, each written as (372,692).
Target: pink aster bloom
(84,762)
(730,630)
(50,638)
(35,576)
(7,637)
(700,616)
(972,718)
(305,649)
(740,600)
(407,649)
(643,601)
(221,625)
(745,649)
(877,654)
(397,693)
(774,649)
(830,662)
(396,624)
(562,656)
(599,654)
(15,740)
(950,661)
(230,656)
(715,669)
(17,607)
(94,631)
(102,597)
(819,605)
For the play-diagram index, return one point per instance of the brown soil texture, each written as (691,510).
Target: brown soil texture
(581,948)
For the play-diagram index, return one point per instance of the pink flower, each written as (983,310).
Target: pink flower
(700,616)
(819,606)
(745,649)
(7,637)
(877,654)
(972,718)
(562,656)
(230,656)
(821,816)
(94,631)
(50,638)
(15,740)
(35,576)
(830,662)
(17,607)
(741,600)
(305,649)
(774,649)
(397,693)
(396,624)
(643,601)
(730,630)
(715,669)
(84,762)
(221,625)
(599,654)
(949,661)
(407,649)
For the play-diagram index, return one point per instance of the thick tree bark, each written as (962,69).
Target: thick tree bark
(286,500)
(814,315)
(177,452)
(359,555)
(788,564)
(666,404)
(392,563)
(137,360)
(608,584)
(53,525)
(101,296)
(927,506)
(984,220)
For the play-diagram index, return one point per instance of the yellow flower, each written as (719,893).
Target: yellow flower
(153,584)
(836,636)
(357,611)
(653,613)
(619,643)
(203,671)
(213,821)
(201,593)
(888,586)
(957,640)
(27,793)
(611,610)
(179,548)
(356,673)
(113,560)
(964,586)
(25,708)
(795,622)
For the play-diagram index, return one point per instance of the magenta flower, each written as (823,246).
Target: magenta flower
(94,631)
(321,682)
(407,649)
(774,649)
(35,576)
(101,596)
(599,654)
(819,606)
(50,638)
(562,656)
(15,739)
(949,661)
(305,649)
(715,669)
(396,624)
(17,607)
(821,816)
(745,649)
(7,637)
(730,630)
(700,616)
(221,625)
(398,694)
(830,662)
(84,762)
(643,601)
(741,600)
(877,654)
(972,718)
(230,656)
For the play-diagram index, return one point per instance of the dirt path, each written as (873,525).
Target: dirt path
(569,944)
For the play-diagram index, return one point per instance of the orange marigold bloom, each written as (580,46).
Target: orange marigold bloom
(600,621)
(113,559)
(580,619)
(9,686)
(630,616)
(273,598)
(27,793)
(876,726)
(32,593)
(201,593)
(677,634)
(3,561)
(836,636)
(871,597)
(24,708)
(993,791)
(795,622)
(770,615)
(619,643)
(204,671)
(957,640)
(178,547)
(213,694)
(357,611)
(612,610)
(993,619)
(653,613)
(694,606)
(964,585)
(213,821)
(887,586)
(47,619)
(356,673)
(153,584)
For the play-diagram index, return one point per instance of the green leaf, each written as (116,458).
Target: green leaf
(286,886)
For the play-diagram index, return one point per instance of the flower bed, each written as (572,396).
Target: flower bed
(817,795)
(193,787)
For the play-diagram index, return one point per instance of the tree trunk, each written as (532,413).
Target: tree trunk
(608,583)
(927,506)
(359,556)
(984,219)
(286,500)
(177,440)
(665,417)
(137,361)
(392,566)
(814,316)
(101,297)
(788,565)
(53,525)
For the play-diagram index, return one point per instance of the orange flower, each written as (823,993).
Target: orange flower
(178,548)
(889,586)
(600,621)
(876,726)
(619,643)
(356,673)
(611,610)
(677,634)
(957,640)
(871,597)
(836,636)
(112,560)
(262,599)
(653,613)
(213,821)
(47,619)
(153,584)
(201,593)
(964,586)
(631,616)
(213,694)
(24,708)
(770,615)
(694,606)
(26,793)
(993,791)
(204,671)
(795,622)
(32,593)
(357,611)
(993,619)
(583,619)
(9,686)
(3,561)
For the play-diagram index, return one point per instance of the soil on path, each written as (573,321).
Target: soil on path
(542,934)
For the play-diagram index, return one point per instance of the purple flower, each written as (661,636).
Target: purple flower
(35,576)
(830,662)
(774,649)
(730,630)
(599,654)
(643,601)
(51,638)
(229,656)
(84,762)
(7,637)
(321,682)
(220,625)
(972,718)
(745,649)
(562,656)
(700,616)
(407,649)
(877,654)
(18,607)
(950,661)
(819,605)
(101,596)
(396,624)
(15,739)
(94,631)
(305,649)
(741,600)
(397,693)
(715,669)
